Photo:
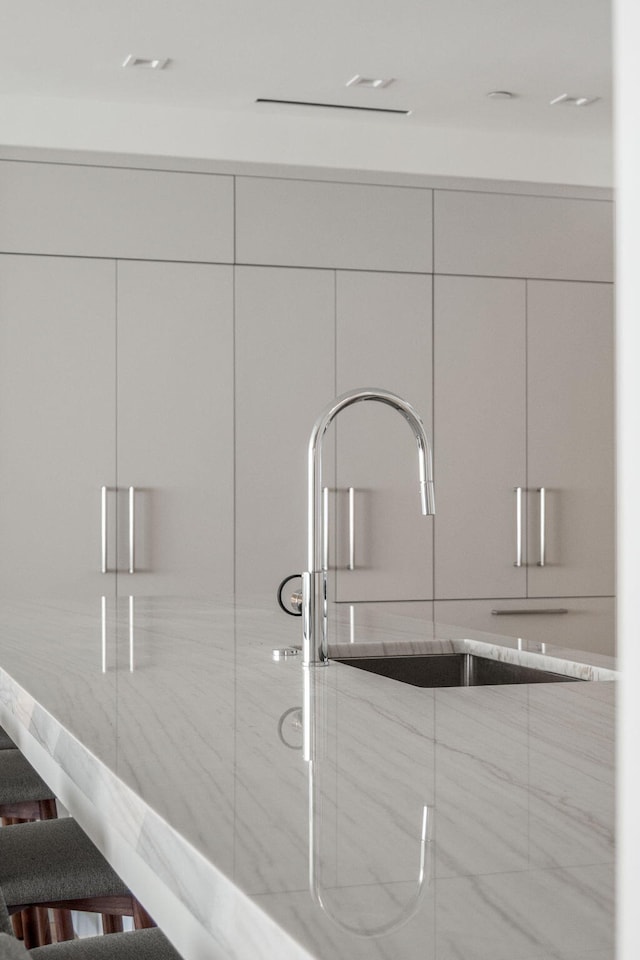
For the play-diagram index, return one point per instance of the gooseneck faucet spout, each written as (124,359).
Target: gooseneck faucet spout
(314,581)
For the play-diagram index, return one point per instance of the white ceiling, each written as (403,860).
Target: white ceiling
(65,57)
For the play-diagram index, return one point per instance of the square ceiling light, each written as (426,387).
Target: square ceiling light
(372,83)
(146,63)
(565,100)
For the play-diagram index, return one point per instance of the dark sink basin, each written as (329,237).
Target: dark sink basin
(452,670)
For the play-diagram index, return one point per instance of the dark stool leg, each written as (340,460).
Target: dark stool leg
(64,925)
(48,810)
(141,919)
(30,932)
(16,922)
(44,928)
(111,923)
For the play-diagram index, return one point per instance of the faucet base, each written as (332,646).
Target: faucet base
(315,646)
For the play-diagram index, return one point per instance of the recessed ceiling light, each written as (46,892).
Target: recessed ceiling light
(146,63)
(501,95)
(373,83)
(566,101)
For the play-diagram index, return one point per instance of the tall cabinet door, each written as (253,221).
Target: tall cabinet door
(57,430)
(175,428)
(571,438)
(480,437)
(285,357)
(383,545)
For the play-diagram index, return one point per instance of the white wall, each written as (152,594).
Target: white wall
(627,29)
(356,142)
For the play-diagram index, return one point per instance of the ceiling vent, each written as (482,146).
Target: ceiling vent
(145,63)
(332,106)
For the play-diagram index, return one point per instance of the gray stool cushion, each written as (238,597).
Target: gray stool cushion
(19,781)
(12,949)
(137,945)
(53,860)
(6,743)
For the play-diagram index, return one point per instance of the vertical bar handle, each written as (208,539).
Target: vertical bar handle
(352,528)
(132,530)
(325,528)
(543,527)
(518,560)
(103,530)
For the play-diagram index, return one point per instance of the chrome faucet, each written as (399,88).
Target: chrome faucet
(314,580)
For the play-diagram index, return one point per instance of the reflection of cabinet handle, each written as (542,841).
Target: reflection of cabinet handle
(543,510)
(132,533)
(352,528)
(325,528)
(103,530)
(519,613)
(518,560)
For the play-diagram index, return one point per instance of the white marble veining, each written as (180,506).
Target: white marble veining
(180,754)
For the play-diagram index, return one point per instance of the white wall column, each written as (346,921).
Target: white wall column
(627,34)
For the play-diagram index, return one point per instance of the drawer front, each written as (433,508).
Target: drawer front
(588,624)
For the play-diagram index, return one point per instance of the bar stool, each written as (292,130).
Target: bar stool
(6,743)
(23,793)
(53,864)
(137,945)
(25,796)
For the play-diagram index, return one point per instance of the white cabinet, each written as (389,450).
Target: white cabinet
(76,210)
(115,375)
(352,226)
(524,438)
(384,339)
(302,337)
(57,424)
(285,375)
(480,436)
(505,235)
(570,427)
(175,428)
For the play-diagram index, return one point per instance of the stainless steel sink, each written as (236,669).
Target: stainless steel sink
(452,670)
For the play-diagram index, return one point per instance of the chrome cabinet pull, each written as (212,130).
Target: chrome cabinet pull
(132,532)
(518,493)
(543,526)
(103,530)
(519,613)
(352,528)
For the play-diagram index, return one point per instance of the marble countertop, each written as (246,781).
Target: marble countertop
(430,824)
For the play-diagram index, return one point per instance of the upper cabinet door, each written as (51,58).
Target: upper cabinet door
(285,376)
(175,428)
(503,235)
(480,439)
(57,430)
(382,545)
(76,210)
(353,226)
(571,439)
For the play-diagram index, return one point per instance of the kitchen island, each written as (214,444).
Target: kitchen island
(430,824)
